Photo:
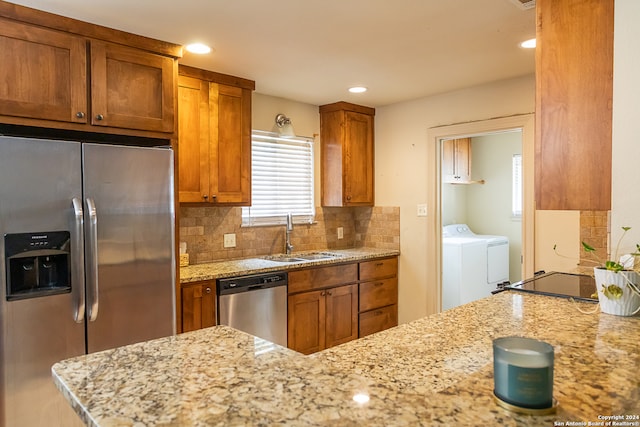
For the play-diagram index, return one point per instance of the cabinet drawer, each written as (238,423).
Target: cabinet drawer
(378,269)
(378,320)
(322,277)
(378,293)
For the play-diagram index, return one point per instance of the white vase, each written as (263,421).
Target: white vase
(629,303)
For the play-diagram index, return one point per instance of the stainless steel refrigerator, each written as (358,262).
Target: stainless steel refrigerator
(86,262)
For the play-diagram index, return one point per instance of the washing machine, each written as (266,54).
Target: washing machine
(472,264)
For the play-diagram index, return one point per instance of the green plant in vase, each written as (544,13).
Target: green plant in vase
(617,279)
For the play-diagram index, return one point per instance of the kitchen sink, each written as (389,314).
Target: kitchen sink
(283,258)
(312,256)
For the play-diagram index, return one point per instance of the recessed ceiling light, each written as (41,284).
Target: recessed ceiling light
(198,48)
(357,89)
(528,44)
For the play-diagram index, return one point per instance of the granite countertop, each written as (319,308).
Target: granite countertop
(222,269)
(437,370)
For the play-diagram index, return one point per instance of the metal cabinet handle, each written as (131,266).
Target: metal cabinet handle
(208,290)
(77,255)
(99,117)
(80,115)
(92,284)
(322,293)
(205,197)
(379,264)
(378,284)
(348,197)
(329,293)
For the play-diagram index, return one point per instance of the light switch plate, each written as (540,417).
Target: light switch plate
(340,232)
(230,240)
(422,209)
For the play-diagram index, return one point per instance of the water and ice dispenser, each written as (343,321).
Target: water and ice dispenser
(37,264)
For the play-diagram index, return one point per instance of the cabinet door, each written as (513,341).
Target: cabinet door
(358,159)
(230,154)
(43,74)
(456,160)
(198,307)
(193,144)
(574,93)
(342,315)
(306,317)
(131,88)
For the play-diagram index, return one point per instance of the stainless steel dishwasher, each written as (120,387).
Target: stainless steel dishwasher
(255,304)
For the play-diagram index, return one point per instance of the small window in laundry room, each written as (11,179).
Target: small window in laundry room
(281,180)
(516,186)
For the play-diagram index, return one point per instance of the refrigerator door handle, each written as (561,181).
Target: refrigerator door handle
(92,282)
(78,259)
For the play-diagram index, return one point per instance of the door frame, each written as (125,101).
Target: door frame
(522,122)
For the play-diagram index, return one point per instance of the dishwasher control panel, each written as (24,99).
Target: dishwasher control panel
(250,283)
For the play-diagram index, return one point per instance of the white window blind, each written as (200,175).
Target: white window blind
(516,186)
(281,180)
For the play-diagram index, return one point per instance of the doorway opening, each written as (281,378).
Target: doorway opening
(442,196)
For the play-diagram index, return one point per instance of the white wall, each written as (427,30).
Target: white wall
(402,177)
(626,126)
(454,204)
(489,209)
(305,119)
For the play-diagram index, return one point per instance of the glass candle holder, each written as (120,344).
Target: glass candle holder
(523,372)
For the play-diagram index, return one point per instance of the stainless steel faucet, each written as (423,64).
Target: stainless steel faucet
(289,229)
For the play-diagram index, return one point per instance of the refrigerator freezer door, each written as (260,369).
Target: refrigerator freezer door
(38,181)
(134,293)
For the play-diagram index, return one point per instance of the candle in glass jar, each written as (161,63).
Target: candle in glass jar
(523,372)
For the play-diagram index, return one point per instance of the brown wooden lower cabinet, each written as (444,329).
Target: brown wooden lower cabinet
(342,315)
(322,319)
(378,320)
(378,296)
(198,305)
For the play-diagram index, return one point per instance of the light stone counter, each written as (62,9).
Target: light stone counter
(433,371)
(221,269)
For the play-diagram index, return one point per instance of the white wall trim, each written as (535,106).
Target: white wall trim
(523,122)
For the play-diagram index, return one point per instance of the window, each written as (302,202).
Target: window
(516,186)
(281,180)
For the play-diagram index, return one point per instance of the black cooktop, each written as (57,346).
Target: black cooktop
(567,285)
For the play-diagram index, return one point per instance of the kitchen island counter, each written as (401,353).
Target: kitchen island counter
(433,371)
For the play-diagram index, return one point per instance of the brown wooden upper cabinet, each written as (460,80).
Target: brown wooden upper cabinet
(67,80)
(456,160)
(131,88)
(574,93)
(347,154)
(214,138)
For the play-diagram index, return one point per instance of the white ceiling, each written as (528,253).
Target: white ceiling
(313,50)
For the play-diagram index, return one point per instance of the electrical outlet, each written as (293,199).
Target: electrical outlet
(230,240)
(340,232)
(422,209)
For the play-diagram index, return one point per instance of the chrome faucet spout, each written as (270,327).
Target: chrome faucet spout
(288,230)
(289,222)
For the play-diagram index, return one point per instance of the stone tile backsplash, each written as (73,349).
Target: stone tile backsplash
(203,228)
(594,230)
